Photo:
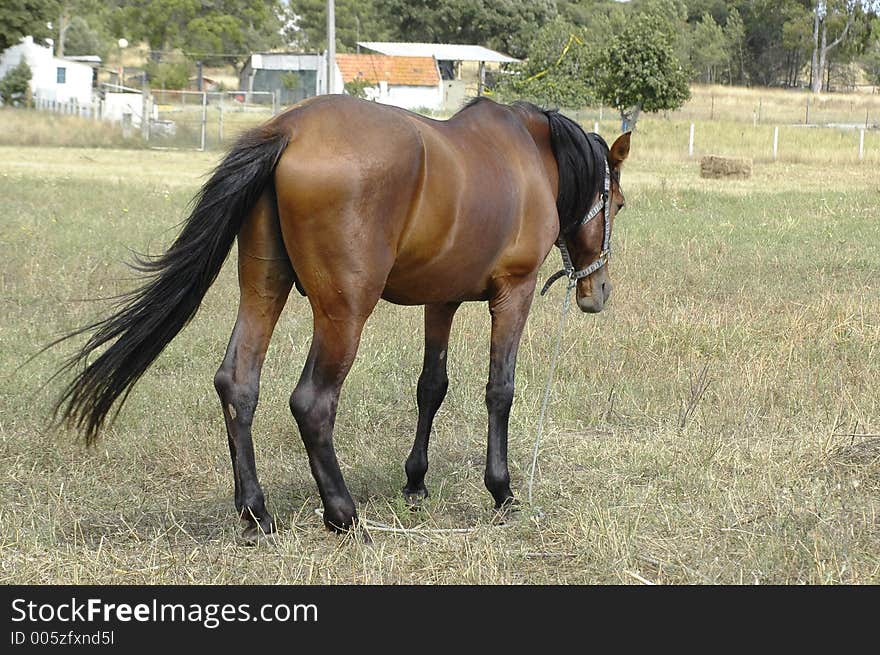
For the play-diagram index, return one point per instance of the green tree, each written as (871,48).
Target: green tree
(19,18)
(358,88)
(718,9)
(14,89)
(832,20)
(735,45)
(796,41)
(871,59)
(582,12)
(356,20)
(172,73)
(507,25)
(557,71)
(82,39)
(638,70)
(213,31)
(668,17)
(768,60)
(707,48)
(67,13)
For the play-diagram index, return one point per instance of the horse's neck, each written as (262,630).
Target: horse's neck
(535,121)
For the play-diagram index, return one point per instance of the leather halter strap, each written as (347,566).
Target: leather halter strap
(568,269)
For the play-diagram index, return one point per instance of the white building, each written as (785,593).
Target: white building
(408,82)
(53,78)
(464,68)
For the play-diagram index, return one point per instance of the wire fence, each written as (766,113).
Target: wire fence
(188,120)
(781,107)
(205,120)
(767,124)
(766,107)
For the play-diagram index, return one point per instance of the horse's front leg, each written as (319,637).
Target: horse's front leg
(430,393)
(509,307)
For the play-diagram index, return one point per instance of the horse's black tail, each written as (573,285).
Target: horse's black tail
(149,317)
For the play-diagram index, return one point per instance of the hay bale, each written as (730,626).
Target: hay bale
(715,167)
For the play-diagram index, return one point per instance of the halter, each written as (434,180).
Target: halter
(568,268)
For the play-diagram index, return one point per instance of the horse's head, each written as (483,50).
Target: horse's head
(590,242)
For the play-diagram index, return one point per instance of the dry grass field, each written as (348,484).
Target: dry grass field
(765,290)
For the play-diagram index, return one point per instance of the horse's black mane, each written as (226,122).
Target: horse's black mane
(580,158)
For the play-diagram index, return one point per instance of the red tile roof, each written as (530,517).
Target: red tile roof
(402,71)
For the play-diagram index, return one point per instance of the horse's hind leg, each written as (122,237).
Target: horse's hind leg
(265,277)
(339,318)
(430,393)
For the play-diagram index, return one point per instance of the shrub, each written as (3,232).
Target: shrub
(14,89)
(168,75)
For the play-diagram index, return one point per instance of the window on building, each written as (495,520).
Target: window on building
(61,75)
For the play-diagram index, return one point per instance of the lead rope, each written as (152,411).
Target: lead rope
(573,275)
(565,302)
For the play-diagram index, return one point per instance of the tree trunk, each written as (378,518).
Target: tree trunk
(629,118)
(63,25)
(823,62)
(821,50)
(828,74)
(815,71)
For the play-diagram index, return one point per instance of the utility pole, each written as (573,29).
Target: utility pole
(331,46)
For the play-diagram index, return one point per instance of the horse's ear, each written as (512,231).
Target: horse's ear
(619,151)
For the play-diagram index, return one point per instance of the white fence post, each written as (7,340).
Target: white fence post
(775,142)
(596,127)
(691,142)
(861,144)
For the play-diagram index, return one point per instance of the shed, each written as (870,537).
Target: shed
(408,82)
(292,76)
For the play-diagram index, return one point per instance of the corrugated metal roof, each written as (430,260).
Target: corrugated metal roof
(440,51)
(404,71)
(291,61)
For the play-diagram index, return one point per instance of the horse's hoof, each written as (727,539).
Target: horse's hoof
(254,535)
(341,524)
(415,498)
(354,529)
(506,510)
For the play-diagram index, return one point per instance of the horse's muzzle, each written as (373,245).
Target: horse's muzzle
(594,302)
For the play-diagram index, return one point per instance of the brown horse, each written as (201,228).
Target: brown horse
(353,201)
